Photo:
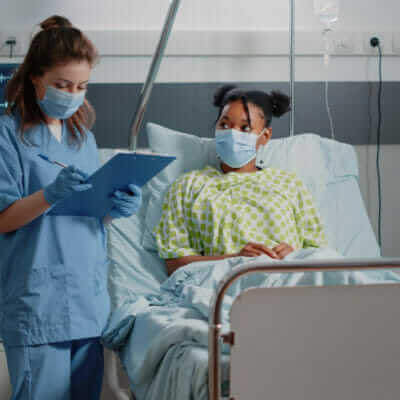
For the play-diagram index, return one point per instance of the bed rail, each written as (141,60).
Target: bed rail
(214,362)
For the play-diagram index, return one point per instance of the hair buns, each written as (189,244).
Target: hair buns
(280,103)
(56,21)
(221,93)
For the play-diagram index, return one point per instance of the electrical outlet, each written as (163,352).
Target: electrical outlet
(5,49)
(385,41)
(345,45)
(396,43)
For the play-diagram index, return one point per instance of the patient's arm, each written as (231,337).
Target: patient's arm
(250,250)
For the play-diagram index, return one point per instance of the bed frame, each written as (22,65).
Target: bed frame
(330,342)
(336,342)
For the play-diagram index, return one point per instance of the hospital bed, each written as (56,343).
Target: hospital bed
(313,342)
(322,341)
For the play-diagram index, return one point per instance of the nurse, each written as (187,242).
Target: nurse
(53,270)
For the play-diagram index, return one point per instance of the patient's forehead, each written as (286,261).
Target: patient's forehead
(236,113)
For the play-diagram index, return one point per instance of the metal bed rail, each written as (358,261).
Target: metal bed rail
(214,362)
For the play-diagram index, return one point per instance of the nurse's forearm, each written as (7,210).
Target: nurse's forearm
(173,264)
(22,212)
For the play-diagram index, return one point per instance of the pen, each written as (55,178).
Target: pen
(44,157)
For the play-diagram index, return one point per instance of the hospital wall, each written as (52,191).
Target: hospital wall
(203,52)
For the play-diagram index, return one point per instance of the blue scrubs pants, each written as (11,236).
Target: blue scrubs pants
(57,371)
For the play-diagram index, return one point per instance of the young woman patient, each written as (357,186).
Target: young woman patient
(238,209)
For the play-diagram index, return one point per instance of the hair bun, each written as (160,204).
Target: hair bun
(56,21)
(220,94)
(280,103)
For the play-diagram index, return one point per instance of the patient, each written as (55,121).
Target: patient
(238,209)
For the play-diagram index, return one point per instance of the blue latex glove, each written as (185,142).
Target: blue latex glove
(68,181)
(126,204)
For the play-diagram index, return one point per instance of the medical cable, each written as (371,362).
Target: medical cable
(292,66)
(369,139)
(378,145)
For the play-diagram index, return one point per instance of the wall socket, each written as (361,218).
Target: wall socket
(344,46)
(396,43)
(5,49)
(385,40)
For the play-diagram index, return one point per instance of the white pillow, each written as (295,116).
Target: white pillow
(192,152)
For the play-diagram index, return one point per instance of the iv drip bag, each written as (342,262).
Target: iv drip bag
(327,11)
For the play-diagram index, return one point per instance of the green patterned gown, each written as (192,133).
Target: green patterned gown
(207,212)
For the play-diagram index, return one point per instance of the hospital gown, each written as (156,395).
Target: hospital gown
(207,212)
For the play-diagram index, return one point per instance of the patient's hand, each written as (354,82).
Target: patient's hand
(282,250)
(257,249)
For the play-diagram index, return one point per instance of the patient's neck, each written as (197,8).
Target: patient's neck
(250,167)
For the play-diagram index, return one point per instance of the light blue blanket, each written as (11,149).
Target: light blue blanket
(163,336)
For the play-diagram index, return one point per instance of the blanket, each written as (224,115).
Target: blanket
(162,338)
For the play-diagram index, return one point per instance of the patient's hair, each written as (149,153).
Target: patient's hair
(275,104)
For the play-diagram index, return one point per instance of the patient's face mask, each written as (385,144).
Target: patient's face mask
(236,148)
(60,104)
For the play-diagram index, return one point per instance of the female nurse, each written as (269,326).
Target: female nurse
(53,269)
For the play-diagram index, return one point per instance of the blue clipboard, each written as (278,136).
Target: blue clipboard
(120,171)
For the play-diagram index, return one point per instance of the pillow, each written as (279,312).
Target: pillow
(328,168)
(192,152)
(167,141)
(317,161)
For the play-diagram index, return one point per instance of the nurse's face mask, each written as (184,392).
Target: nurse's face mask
(59,104)
(61,90)
(236,142)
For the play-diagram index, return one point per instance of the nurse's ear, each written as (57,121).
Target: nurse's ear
(264,138)
(39,87)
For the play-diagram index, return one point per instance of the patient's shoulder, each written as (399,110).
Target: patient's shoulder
(284,176)
(283,173)
(198,174)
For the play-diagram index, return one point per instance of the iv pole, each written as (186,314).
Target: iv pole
(155,66)
(152,74)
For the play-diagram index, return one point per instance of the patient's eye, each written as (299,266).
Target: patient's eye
(60,85)
(223,125)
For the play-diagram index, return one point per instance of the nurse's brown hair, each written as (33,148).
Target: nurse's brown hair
(58,43)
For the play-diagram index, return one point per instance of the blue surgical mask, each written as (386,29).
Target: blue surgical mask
(235,148)
(59,104)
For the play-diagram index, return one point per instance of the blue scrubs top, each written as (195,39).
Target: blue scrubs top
(53,271)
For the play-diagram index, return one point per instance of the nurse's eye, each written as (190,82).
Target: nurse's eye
(83,87)
(245,128)
(223,125)
(60,86)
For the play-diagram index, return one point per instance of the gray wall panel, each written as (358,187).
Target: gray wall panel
(188,107)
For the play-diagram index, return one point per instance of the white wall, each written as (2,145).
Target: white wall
(195,14)
(108,19)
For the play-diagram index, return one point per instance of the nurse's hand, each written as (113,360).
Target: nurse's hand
(126,204)
(68,181)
